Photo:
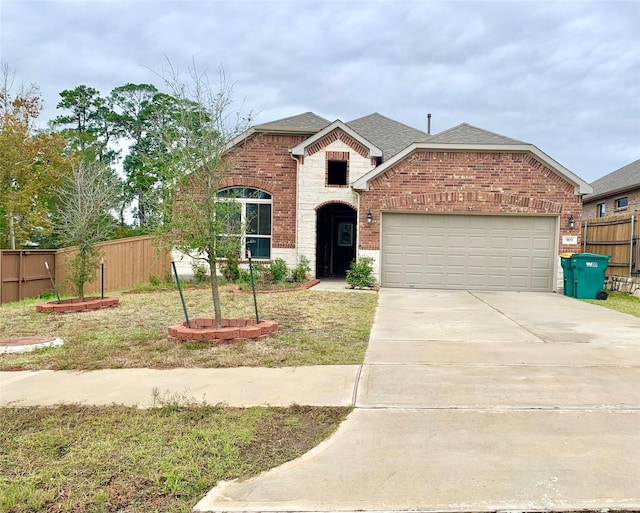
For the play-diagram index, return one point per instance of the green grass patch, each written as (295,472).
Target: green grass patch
(621,302)
(104,459)
(315,328)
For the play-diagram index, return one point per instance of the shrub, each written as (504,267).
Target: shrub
(360,274)
(299,274)
(200,274)
(231,269)
(258,271)
(279,270)
(154,280)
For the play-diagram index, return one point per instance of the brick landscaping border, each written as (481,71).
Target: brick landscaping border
(75,305)
(232,330)
(303,286)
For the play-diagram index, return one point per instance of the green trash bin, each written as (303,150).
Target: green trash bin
(567,273)
(589,275)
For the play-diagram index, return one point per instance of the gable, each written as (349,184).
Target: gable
(536,157)
(337,131)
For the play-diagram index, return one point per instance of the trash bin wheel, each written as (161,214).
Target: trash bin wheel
(602,295)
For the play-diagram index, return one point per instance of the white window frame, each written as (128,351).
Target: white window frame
(621,207)
(244,201)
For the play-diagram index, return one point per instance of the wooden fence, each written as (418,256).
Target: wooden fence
(23,273)
(617,236)
(127,262)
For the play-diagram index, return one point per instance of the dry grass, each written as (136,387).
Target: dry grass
(315,328)
(107,459)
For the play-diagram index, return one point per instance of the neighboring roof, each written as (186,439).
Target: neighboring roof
(627,177)
(469,134)
(307,122)
(388,134)
(301,149)
(468,137)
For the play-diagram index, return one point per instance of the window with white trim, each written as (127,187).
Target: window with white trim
(601,209)
(622,202)
(255,216)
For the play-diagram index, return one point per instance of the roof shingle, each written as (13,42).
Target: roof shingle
(307,121)
(387,134)
(469,134)
(623,178)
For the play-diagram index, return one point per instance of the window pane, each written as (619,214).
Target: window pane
(264,220)
(260,247)
(252,218)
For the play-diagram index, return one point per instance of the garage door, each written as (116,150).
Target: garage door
(468,252)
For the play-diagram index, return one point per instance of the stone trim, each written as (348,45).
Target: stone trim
(623,284)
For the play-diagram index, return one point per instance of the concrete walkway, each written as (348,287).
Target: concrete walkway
(475,402)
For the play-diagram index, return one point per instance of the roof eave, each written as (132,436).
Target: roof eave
(614,192)
(581,187)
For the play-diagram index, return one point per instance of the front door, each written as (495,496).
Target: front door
(336,242)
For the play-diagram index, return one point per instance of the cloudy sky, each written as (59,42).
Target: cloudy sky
(563,75)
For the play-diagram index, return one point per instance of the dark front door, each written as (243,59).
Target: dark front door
(336,243)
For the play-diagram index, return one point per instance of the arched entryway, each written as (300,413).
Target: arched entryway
(336,239)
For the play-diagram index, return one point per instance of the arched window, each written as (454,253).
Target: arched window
(255,216)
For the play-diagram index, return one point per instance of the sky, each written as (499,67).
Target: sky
(564,76)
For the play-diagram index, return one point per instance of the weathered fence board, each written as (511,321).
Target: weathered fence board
(617,236)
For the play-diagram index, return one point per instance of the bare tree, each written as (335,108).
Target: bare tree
(197,221)
(83,217)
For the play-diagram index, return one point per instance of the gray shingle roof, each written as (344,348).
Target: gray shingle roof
(307,122)
(387,134)
(468,134)
(624,178)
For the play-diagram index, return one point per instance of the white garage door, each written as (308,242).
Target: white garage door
(468,251)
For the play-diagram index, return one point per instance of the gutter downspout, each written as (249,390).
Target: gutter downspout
(295,232)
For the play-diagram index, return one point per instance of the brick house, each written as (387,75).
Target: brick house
(616,193)
(462,209)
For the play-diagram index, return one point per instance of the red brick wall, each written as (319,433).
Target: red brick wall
(469,182)
(264,162)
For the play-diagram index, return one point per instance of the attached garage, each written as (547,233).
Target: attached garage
(474,252)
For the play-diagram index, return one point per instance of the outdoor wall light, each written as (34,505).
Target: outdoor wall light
(572,222)
(369,217)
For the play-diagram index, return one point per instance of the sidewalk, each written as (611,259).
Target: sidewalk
(330,385)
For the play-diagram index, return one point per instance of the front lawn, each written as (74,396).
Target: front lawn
(315,328)
(106,459)
(620,301)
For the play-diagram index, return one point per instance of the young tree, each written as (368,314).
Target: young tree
(30,164)
(197,220)
(83,218)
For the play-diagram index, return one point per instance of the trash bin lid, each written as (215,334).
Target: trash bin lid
(566,255)
(589,256)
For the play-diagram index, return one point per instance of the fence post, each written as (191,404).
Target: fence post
(631,246)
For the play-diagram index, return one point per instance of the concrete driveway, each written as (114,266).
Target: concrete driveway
(475,401)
